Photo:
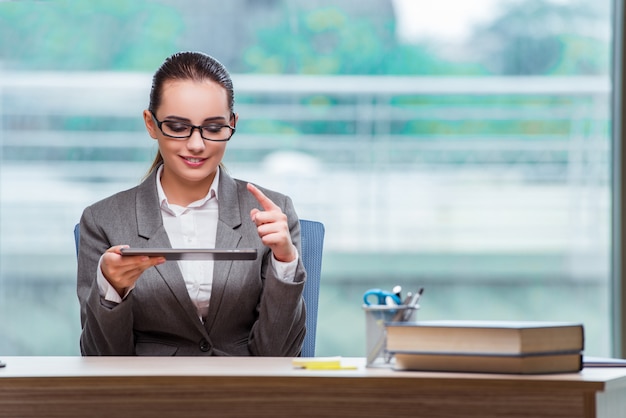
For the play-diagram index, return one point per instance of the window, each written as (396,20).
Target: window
(467,153)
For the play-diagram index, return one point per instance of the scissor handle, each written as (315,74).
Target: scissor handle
(381,297)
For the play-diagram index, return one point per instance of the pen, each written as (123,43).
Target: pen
(419,294)
(397,290)
(400,314)
(412,305)
(390,301)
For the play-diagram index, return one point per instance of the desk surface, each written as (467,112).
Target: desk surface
(238,386)
(59,367)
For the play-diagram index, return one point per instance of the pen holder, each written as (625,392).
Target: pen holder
(376,316)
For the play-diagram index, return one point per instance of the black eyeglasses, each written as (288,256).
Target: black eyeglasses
(180,130)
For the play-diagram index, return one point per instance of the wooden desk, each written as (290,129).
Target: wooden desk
(271,387)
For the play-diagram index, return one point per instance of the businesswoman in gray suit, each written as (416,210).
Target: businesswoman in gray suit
(140,305)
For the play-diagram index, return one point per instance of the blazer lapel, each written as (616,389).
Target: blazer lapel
(150,227)
(227,237)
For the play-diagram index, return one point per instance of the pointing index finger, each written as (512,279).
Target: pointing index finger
(265,201)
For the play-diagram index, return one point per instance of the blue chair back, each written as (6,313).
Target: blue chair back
(76,237)
(312,237)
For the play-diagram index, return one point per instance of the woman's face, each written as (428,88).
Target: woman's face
(192,162)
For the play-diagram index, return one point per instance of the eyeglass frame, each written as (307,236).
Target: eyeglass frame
(193,128)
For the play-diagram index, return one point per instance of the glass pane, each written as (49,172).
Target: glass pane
(463,147)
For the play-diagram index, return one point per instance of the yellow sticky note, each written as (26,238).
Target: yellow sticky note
(320,363)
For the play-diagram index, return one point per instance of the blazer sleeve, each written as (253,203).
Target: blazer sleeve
(280,327)
(106,326)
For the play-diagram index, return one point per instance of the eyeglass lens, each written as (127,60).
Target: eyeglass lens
(215,132)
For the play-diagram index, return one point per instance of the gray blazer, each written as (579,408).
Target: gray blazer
(251,311)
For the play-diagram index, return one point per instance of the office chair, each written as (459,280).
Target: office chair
(312,237)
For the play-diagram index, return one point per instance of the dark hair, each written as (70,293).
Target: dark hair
(195,66)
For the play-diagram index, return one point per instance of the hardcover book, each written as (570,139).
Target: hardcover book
(485,363)
(485,337)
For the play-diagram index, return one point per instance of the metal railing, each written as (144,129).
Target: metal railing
(410,165)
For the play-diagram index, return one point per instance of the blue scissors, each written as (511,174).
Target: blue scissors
(383,297)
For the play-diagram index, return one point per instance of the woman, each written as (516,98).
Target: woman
(139,305)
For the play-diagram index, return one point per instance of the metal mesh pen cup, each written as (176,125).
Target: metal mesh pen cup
(376,316)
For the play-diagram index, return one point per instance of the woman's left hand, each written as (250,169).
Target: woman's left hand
(272,227)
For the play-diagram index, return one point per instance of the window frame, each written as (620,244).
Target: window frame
(618,285)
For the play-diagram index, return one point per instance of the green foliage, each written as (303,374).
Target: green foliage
(541,37)
(422,59)
(530,37)
(87,35)
(326,41)
(583,55)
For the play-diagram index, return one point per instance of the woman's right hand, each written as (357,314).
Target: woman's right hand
(123,271)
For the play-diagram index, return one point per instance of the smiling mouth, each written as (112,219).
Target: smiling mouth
(193,160)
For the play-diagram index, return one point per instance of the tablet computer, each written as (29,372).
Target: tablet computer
(195,253)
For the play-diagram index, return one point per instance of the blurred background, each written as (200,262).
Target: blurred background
(463,147)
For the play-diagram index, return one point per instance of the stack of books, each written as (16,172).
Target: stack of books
(487,346)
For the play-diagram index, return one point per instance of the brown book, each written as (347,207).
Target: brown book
(519,364)
(485,337)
